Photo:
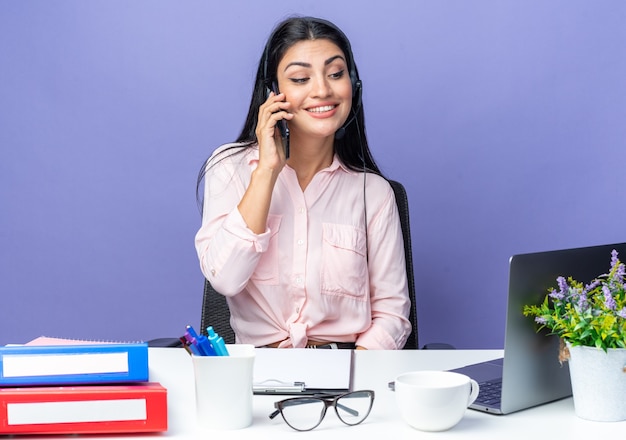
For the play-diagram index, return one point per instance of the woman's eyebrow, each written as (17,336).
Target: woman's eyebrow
(308,65)
(331,59)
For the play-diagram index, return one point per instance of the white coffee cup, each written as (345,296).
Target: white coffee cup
(434,400)
(224,388)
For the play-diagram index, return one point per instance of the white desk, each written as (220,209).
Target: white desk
(372,370)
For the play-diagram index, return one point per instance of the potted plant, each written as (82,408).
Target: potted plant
(591,322)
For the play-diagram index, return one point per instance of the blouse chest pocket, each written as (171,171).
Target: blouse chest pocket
(344,262)
(266,271)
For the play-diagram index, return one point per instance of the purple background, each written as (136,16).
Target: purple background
(505,120)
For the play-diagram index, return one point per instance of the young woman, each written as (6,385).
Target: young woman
(300,232)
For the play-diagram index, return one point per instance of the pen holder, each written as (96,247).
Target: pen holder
(224,388)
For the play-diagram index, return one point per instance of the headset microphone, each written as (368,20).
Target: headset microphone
(339,134)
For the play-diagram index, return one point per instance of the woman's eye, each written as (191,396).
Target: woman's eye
(337,75)
(298,80)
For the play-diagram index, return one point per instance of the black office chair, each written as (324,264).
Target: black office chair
(215,310)
(403,210)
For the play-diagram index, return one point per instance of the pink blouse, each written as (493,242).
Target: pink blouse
(315,273)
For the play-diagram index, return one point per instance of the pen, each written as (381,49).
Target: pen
(201,342)
(205,346)
(191,345)
(183,340)
(217,342)
(279,388)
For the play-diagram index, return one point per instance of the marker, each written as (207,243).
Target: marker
(217,342)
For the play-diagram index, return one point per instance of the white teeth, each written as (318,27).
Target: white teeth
(325,108)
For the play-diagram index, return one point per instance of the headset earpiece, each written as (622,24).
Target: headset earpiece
(354,79)
(357,90)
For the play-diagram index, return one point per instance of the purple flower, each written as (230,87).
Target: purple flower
(556,295)
(593,285)
(620,271)
(582,301)
(562,285)
(603,301)
(609,301)
(614,259)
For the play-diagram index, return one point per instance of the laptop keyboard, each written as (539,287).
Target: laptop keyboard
(490,392)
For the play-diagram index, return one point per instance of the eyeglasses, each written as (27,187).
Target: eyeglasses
(307,412)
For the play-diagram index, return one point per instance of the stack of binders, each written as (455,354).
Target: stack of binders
(79,388)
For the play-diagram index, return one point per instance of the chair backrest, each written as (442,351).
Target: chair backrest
(403,209)
(215,313)
(215,310)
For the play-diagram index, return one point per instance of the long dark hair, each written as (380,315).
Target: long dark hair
(351,148)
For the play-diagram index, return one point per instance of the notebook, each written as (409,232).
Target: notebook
(530,373)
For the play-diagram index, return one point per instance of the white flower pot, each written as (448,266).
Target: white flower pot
(598,383)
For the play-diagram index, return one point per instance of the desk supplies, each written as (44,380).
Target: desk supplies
(78,363)
(66,386)
(201,345)
(223,388)
(200,342)
(302,371)
(85,409)
(217,342)
(273,386)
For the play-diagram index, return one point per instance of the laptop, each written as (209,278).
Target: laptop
(530,373)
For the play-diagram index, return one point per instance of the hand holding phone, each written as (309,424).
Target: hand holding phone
(282,126)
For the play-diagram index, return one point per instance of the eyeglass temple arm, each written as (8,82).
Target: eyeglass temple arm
(351,411)
(274,414)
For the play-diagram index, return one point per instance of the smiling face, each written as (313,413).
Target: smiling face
(314,77)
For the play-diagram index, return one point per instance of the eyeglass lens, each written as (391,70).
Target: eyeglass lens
(353,408)
(305,413)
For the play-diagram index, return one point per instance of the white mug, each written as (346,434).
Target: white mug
(434,400)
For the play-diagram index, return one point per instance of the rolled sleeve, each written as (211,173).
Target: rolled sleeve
(228,258)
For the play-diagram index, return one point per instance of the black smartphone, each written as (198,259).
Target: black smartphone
(282,125)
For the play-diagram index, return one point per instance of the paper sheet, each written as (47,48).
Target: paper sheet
(318,369)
